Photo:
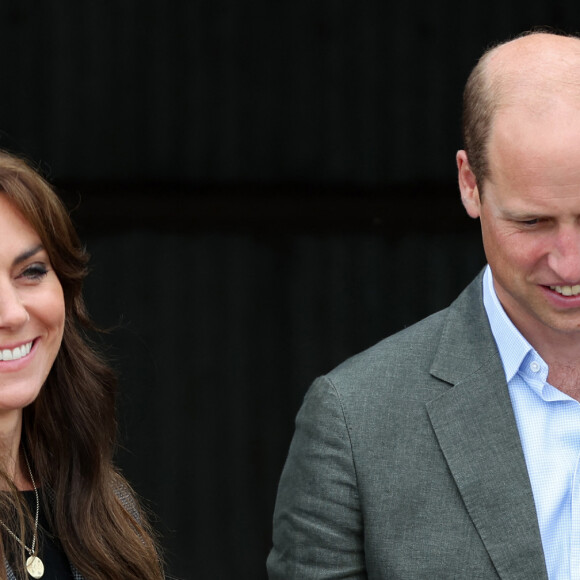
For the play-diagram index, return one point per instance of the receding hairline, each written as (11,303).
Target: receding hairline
(533,71)
(530,69)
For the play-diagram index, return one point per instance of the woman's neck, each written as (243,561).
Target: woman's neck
(11,459)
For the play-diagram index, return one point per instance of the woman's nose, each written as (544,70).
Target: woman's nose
(13,313)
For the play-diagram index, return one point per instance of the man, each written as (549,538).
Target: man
(451,449)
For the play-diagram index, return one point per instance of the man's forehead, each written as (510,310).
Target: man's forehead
(527,108)
(537,150)
(530,106)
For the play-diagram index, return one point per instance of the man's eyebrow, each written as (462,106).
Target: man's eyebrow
(522,215)
(27,254)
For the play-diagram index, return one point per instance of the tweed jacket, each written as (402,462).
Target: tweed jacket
(406,463)
(128,503)
(12,576)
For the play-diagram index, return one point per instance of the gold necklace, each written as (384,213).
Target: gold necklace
(34,564)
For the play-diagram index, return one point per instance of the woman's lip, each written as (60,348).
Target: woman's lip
(17,353)
(16,344)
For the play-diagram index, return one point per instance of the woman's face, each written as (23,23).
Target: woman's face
(32,311)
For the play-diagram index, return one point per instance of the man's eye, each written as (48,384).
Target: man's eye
(533,222)
(35,272)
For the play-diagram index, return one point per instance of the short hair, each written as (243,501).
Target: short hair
(481,98)
(479,105)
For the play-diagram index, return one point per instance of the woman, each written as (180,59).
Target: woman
(65,512)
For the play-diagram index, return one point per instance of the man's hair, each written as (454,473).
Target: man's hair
(479,104)
(481,98)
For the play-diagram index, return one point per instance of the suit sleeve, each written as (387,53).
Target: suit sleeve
(318,531)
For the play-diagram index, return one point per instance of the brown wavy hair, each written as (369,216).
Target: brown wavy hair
(70,429)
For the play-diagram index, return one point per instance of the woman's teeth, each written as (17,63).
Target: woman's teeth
(18,352)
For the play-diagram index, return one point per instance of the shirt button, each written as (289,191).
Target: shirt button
(534,366)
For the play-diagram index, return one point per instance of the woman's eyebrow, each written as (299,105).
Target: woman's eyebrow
(27,254)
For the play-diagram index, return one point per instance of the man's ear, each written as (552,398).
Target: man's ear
(468,186)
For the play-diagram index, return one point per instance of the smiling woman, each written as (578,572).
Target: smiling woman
(65,512)
(31,317)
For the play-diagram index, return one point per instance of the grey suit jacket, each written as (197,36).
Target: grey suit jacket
(406,463)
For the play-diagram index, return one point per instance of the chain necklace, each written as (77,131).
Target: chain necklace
(34,564)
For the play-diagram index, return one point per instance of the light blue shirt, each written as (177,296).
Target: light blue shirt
(549,426)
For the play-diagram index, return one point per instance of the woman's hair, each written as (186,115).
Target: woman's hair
(70,429)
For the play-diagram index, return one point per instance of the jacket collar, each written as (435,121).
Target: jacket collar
(476,429)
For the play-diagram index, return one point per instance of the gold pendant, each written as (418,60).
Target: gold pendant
(35,566)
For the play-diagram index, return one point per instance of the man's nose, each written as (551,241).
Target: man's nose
(564,259)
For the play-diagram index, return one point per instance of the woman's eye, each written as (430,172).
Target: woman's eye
(35,272)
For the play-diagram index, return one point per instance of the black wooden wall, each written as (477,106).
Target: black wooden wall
(266,188)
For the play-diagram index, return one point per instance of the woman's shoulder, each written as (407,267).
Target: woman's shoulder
(126,497)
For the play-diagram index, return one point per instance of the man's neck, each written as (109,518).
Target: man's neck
(565,379)
(561,352)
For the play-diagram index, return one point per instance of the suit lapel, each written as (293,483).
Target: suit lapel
(477,432)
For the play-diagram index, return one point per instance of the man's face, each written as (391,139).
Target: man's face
(530,218)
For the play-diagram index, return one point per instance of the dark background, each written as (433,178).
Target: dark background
(266,188)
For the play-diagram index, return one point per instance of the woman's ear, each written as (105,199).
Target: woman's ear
(468,186)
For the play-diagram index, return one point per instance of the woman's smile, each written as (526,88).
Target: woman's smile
(9,354)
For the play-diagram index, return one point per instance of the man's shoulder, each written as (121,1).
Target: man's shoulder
(409,348)
(405,358)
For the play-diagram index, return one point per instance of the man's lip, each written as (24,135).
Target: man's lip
(559,300)
(566,290)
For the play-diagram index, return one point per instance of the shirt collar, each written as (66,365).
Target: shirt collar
(512,346)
